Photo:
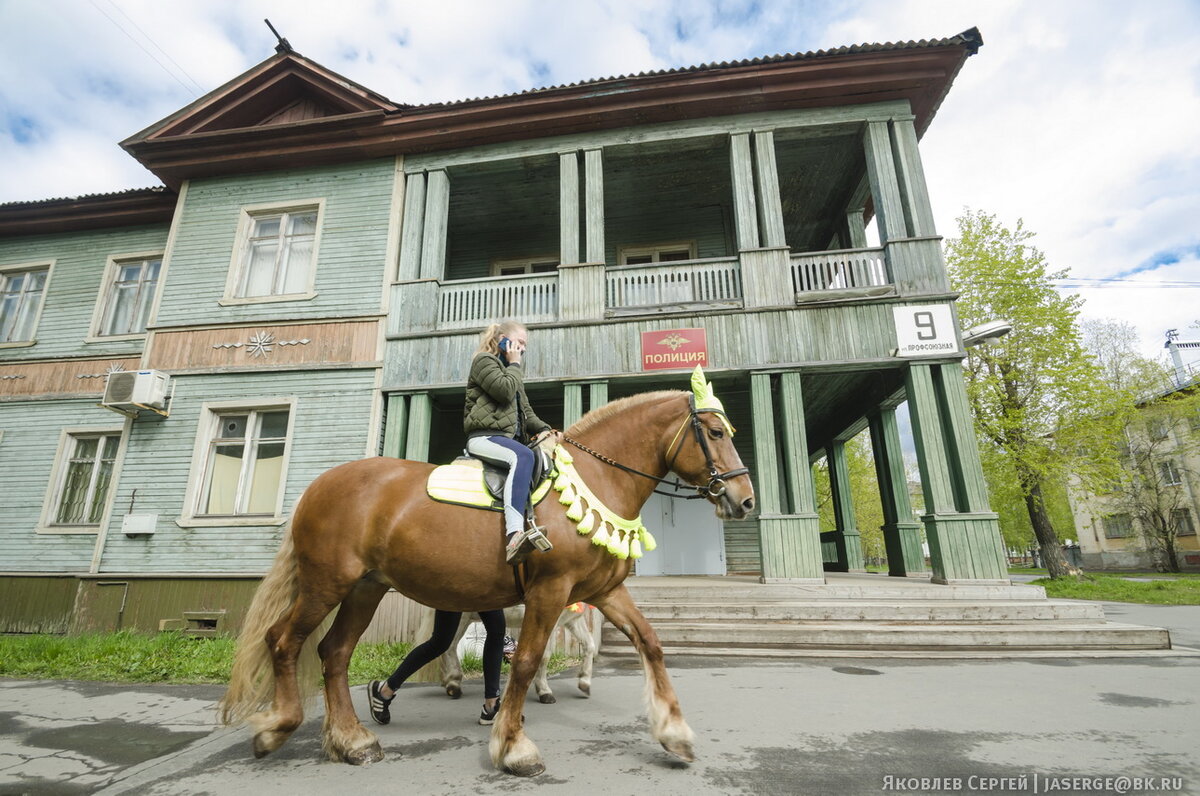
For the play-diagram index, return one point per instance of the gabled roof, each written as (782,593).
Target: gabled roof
(290,111)
(94,211)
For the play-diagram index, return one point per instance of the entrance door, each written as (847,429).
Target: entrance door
(689,535)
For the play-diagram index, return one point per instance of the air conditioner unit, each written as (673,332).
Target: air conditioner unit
(129,391)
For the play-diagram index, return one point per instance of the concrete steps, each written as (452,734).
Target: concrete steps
(872,615)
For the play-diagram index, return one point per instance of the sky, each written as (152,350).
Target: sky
(1080,117)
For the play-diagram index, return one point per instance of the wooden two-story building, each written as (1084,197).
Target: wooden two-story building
(315,271)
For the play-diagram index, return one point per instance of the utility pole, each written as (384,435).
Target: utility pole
(1173,344)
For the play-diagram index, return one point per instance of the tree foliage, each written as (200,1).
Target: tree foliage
(1039,403)
(865,497)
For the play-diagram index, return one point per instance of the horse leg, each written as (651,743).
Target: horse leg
(286,639)
(666,719)
(345,738)
(452,674)
(577,625)
(541,682)
(510,748)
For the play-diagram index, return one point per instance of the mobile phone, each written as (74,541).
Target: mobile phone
(504,342)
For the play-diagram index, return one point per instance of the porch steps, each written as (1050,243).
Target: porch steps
(872,615)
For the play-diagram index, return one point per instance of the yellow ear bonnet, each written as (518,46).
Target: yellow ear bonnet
(705,398)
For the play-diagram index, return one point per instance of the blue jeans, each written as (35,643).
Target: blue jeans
(506,452)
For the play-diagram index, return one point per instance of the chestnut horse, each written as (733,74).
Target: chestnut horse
(368,525)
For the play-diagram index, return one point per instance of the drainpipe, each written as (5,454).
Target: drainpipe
(124,597)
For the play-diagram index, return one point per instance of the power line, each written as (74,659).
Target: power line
(150,39)
(143,49)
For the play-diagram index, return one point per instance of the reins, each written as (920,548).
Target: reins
(716,484)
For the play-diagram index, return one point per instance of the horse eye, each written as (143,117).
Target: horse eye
(716,433)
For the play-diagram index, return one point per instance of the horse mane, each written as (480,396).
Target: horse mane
(600,414)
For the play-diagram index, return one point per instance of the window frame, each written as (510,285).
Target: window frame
(1168,469)
(655,250)
(30,267)
(198,483)
(1183,514)
(67,438)
(111,268)
(526,263)
(247,217)
(1128,523)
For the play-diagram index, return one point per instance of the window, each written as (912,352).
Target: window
(1182,520)
(1159,429)
(85,474)
(546,264)
(1170,473)
(128,294)
(243,472)
(1118,526)
(21,292)
(277,254)
(657,253)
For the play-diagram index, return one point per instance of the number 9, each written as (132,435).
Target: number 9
(924,322)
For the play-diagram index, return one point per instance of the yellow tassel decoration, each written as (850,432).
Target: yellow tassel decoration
(568,496)
(587,524)
(635,549)
(575,512)
(648,541)
(601,537)
(562,482)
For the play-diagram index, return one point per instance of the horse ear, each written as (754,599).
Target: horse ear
(699,384)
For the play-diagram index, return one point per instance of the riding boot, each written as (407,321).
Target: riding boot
(535,533)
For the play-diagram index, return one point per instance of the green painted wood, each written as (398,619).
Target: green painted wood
(413,230)
(799,487)
(594,205)
(433,241)
(351,258)
(395,429)
(36,604)
(968,547)
(930,441)
(745,207)
(766,479)
(598,395)
(960,437)
(804,119)
(572,404)
(420,416)
(581,292)
(914,194)
(881,171)
(901,535)
(848,539)
(568,212)
(75,284)
(331,425)
(770,208)
(791,548)
(766,275)
(856,229)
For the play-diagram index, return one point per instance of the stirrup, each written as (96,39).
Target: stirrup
(538,539)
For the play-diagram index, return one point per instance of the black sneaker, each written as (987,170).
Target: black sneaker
(378,703)
(489,716)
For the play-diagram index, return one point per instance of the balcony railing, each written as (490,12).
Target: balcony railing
(667,286)
(839,270)
(468,303)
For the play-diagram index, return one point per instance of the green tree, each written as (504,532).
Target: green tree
(864,492)
(1038,401)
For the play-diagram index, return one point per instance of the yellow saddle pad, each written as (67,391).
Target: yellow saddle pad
(462,484)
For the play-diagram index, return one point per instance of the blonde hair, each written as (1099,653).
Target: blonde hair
(489,341)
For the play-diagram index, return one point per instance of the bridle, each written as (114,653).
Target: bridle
(715,487)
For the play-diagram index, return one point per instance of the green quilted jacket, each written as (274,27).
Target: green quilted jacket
(494,391)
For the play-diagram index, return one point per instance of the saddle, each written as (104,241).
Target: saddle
(468,481)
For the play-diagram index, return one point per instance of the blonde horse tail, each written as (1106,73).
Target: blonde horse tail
(252,680)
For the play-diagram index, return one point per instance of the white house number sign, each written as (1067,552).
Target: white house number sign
(924,330)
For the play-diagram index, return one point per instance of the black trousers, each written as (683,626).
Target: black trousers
(445,625)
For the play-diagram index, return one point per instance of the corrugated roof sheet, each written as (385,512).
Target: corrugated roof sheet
(130,192)
(972,38)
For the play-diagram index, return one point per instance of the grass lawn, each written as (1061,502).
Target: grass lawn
(128,657)
(1165,590)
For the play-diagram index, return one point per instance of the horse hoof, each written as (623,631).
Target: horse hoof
(266,742)
(683,750)
(586,688)
(527,769)
(453,691)
(547,699)
(364,756)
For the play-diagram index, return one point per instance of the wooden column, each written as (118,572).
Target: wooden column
(964,540)
(855,230)
(881,171)
(568,207)
(745,207)
(414,228)
(790,542)
(594,205)
(914,195)
(572,404)
(395,428)
(437,212)
(420,420)
(770,206)
(599,395)
(847,539)
(901,534)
